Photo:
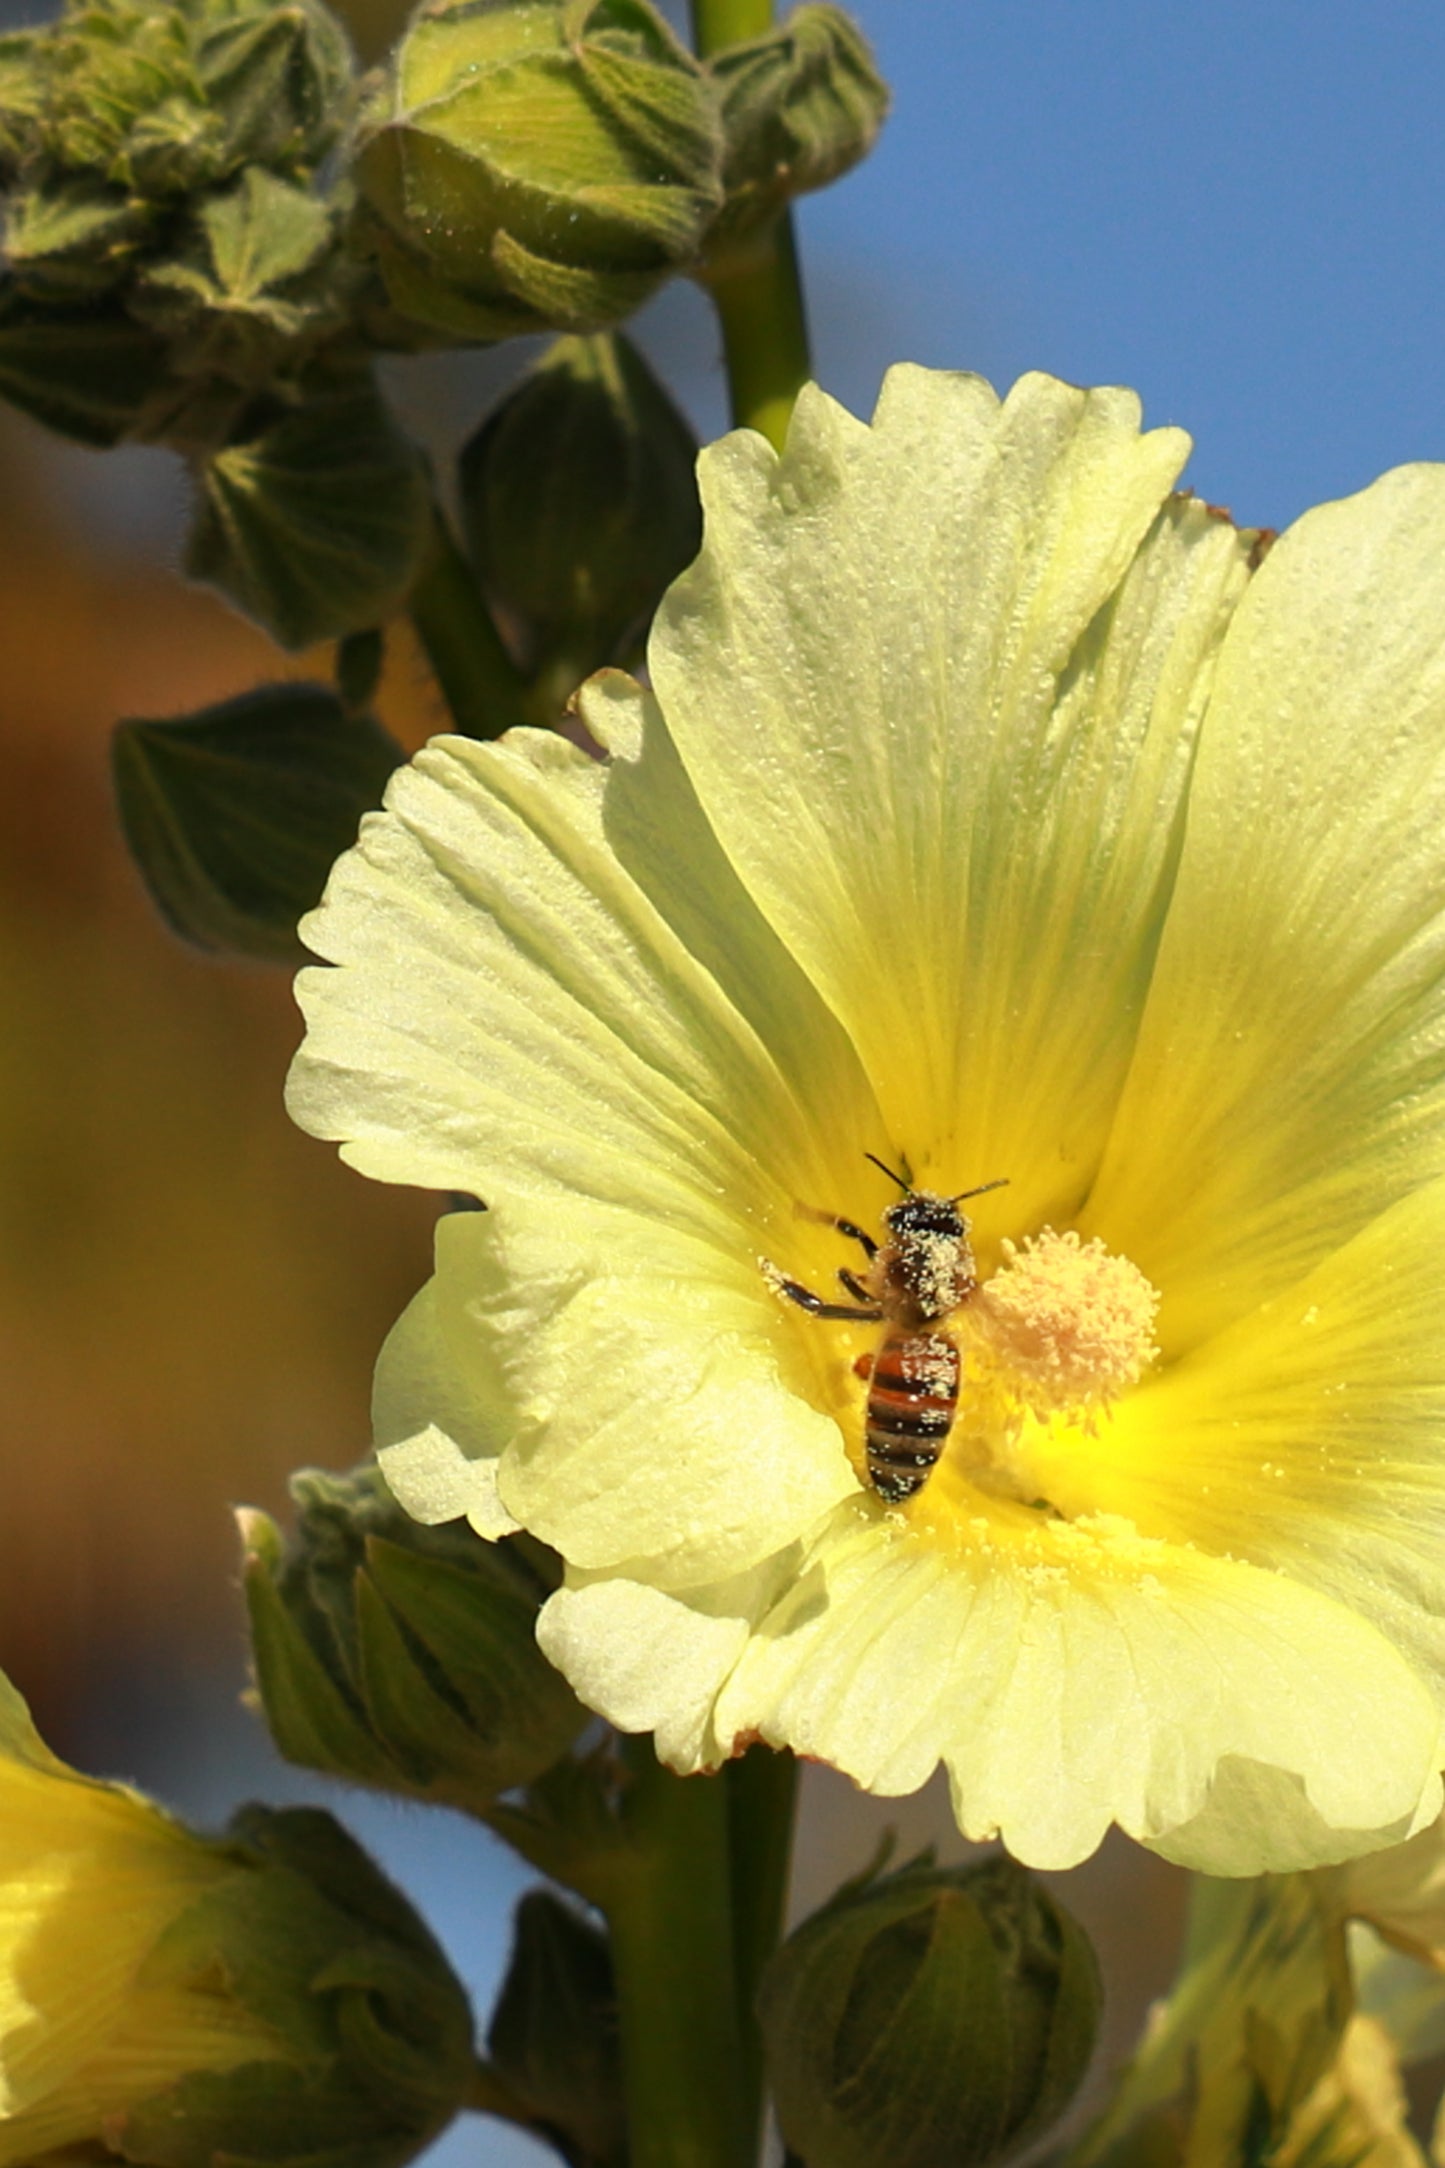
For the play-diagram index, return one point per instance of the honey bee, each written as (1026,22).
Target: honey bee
(915,1280)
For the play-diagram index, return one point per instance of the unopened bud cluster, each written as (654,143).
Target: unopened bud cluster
(209,229)
(169,246)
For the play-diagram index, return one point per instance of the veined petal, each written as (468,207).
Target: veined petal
(513,918)
(439,1422)
(633,1371)
(1067,1676)
(1306,1438)
(66,1963)
(652,1661)
(553,988)
(158,2032)
(965,652)
(1290,1073)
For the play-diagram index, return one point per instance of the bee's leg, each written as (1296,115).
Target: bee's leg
(857,1234)
(854,1285)
(815,1306)
(844,1226)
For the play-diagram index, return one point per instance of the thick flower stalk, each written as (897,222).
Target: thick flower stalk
(999,820)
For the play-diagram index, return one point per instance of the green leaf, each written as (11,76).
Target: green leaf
(317,524)
(236,815)
(553,2035)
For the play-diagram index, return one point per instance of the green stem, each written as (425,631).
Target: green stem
(759,300)
(762,1791)
(669,1911)
(479,680)
(490,2094)
(757,293)
(728,22)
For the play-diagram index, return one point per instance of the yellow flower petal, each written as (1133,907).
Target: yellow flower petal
(652,1661)
(651,1092)
(1290,1074)
(1067,1676)
(437,1422)
(67,1962)
(1356,2116)
(1401,1892)
(92,1877)
(564,1036)
(634,1367)
(1307,1438)
(987,821)
(959,719)
(158,2033)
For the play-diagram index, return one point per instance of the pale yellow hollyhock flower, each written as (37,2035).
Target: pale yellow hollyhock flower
(990,814)
(94,2019)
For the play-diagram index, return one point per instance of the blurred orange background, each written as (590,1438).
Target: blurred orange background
(191,1293)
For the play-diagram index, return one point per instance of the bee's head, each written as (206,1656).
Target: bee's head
(924,1212)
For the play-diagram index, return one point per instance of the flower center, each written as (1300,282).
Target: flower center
(1050,1341)
(1067,1323)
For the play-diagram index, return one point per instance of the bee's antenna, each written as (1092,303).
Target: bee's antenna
(1001,1183)
(904,1186)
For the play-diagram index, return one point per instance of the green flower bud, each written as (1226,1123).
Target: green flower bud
(249,283)
(580,506)
(93,374)
(315,1943)
(400,1656)
(165,175)
(800,105)
(929,2020)
(157,102)
(535,163)
(553,2038)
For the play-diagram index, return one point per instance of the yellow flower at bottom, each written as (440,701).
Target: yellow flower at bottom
(171,2000)
(1002,818)
(93,2018)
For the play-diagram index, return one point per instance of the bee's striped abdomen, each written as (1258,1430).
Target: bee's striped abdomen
(912,1395)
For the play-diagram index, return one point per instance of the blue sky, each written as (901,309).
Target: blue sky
(1237,208)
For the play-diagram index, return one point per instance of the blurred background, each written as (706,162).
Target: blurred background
(1236,209)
